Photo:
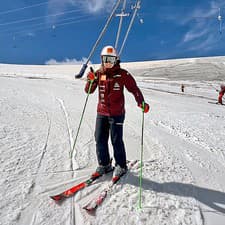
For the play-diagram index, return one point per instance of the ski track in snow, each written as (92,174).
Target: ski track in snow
(183,172)
(73,161)
(67,121)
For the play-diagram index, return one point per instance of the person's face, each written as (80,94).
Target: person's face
(108,61)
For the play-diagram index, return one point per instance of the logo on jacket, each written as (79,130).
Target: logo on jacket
(116,87)
(103,77)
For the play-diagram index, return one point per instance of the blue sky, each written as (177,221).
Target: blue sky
(64,31)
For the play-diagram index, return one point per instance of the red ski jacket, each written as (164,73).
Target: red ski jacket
(222,91)
(111,83)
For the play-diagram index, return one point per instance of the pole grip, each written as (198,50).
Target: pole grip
(91,69)
(143,106)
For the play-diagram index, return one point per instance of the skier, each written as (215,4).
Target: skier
(182,87)
(111,79)
(221,93)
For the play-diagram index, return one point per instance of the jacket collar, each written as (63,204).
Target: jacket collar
(110,72)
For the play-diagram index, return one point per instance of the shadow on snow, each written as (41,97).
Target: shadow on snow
(207,196)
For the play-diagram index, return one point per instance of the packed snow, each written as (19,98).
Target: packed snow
(184,146)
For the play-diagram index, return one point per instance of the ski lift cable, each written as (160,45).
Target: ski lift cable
(33,26)
(72,22)
(37,25)
(120,23)
(68,23)
(136,8)
(23,8)
(58,26)
(85,19)
(40,17)
(192,17)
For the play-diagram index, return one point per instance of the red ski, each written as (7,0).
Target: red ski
(92,205)
(73,190)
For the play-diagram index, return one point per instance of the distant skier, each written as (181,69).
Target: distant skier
(111,79)
(221,93)
(182,87)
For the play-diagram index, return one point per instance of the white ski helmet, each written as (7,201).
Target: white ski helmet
(109,51)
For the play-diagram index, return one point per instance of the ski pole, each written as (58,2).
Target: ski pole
(141,158)
(82,115)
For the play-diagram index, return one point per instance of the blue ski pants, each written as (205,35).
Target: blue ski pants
(113,126)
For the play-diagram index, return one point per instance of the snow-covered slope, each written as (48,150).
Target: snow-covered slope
(184,146)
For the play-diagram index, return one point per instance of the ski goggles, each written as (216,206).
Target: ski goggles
(109,59)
